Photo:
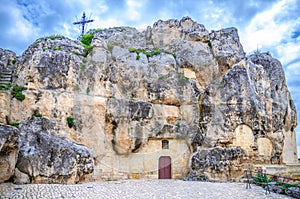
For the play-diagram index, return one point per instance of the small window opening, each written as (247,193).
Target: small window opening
(165,144)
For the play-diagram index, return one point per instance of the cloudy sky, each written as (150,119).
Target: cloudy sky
(269,25)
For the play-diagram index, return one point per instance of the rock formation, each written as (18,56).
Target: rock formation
(133,97)
(8,151)
(32,154)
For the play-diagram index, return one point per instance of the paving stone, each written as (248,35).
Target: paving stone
(135,189)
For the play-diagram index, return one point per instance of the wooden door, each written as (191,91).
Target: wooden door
(164,168)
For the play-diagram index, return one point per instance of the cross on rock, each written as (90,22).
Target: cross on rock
(83,22)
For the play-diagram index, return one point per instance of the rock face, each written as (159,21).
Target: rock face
(49,159)
(33,154)
(172,92)
(7,58)
(9,140)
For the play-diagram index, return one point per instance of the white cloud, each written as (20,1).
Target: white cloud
(23,26)
(265,30)
(107,23)
(289,51)
(134,9)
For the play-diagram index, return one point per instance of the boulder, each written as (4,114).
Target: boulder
(293,192)
(9,148)
(49,159)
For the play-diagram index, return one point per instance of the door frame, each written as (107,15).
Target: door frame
(162,170)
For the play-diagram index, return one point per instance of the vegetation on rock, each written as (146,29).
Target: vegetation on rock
(148,53)
(16,92)
(52,37)
(70,121)
(38,115)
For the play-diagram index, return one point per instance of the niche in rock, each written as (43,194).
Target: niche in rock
(244,138)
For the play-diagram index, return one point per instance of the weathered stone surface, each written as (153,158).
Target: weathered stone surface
(49,159)
(293,192)
(9,140)
(174,81)
(7,58)
(226,48)
(217,163)
(20,177)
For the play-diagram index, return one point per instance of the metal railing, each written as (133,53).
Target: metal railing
(264,179)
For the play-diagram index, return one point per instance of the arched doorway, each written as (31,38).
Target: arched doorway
(164,167)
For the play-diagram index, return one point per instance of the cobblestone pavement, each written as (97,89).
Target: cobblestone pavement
(135,189)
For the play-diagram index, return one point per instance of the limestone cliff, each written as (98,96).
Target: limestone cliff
(174,90)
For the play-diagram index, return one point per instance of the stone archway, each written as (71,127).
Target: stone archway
(244,138)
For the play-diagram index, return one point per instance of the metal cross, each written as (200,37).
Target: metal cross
(83,22)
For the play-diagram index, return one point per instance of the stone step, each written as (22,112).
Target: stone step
(5,82)
(5,79)
(6,71)
(5,75)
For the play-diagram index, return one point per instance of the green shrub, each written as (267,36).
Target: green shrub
(161,77)
(288,185)
(57,48)
(16,92)
(76,53)
(85,53)
(131,50)
(17,89)
(138,57)
(110,47)
(148,53)
(183,78)
(173,54)
(86,39)
(88,90)
(7,86)
(87,47)
(52,37)
(20,96)
(45,49)
(38,115)
(15,124)
(14,61)
(70,122)
(156,52)
(87,50)
(261,178)
(209,43)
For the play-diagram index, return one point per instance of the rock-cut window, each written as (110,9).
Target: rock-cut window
(165,144)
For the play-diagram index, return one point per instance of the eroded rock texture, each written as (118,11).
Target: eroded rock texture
(219,111)
(9,140)
(49,159)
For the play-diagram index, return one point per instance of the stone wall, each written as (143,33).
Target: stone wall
(144,163)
